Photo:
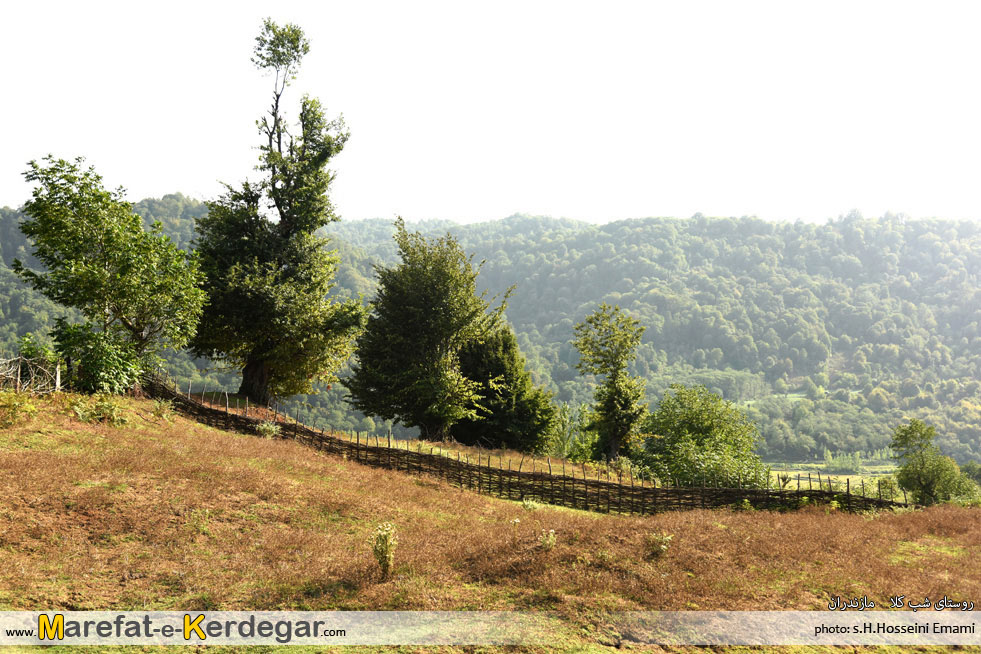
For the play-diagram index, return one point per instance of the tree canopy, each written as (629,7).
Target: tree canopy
(513,413)
(269,275)
(930,476)
(607,341)
(135,287)
(426,311)
(696,437)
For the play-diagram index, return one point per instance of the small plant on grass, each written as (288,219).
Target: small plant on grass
(267,429)
(101,408)
(14,407)
(745,505)
(546,540)
(383,544)
(658,543)
(163,410)
(531,505)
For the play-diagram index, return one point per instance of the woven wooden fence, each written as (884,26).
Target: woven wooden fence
(632,496)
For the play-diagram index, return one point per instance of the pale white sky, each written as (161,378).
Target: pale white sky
(473,111)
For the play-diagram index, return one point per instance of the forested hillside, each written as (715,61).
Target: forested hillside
(830,334)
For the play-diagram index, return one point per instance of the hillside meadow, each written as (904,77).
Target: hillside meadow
(162,513)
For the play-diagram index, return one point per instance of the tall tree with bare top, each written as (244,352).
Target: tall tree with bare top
(269,275)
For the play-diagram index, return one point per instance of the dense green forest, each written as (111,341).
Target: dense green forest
(828,334)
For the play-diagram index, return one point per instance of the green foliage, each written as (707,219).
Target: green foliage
(513,412)
(97,362)
(100,408)
(607,341)
(973,470)
(699,438)
(267,429)
(383,543)
(162,410)
(15,407)
(32,347)
(746,307)
(930,476)
(546,540)
(99,260)
(269,278)
(842,463)
(657,544)
(426,311)
(574,440)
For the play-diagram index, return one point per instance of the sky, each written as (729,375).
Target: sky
(472,111)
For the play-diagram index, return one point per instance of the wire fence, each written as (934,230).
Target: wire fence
(619,494)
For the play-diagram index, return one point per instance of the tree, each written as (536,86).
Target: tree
(425,312)
(513,413)
(134,286)
(268,275)
(697,437)
(607,341)
(930,476)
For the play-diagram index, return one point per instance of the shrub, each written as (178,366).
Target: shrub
(267,429)
(98,362)
(658,543)
(163,409)
(546,540)
(102,409)
(383,544)
(14,407)
(531,505)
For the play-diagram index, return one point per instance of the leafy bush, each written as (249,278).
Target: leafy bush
(699,438)
(32,347)
(162,409)
(100,409)
(15,407)
(658,543)
(267,429)
(383,544)
(930,476)
(98,362)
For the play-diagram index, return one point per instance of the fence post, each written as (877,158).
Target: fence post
(17,381)
(58,377)
(188,388)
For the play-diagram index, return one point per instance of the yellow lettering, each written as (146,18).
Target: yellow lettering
(193,625)
(48,630)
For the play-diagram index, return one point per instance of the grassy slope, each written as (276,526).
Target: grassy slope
(174,515)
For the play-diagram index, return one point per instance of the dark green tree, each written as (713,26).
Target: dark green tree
(697,437)
(607,342)
(268,275)
(930,476)
(513,413)
(426,311)
(139,292)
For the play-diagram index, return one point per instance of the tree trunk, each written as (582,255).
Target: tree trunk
(255,383)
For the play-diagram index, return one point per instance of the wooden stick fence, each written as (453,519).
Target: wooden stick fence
(21,374)
(537,484)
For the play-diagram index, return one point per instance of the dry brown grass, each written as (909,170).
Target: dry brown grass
(159,515)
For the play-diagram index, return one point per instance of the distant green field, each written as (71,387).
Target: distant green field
(808,475)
